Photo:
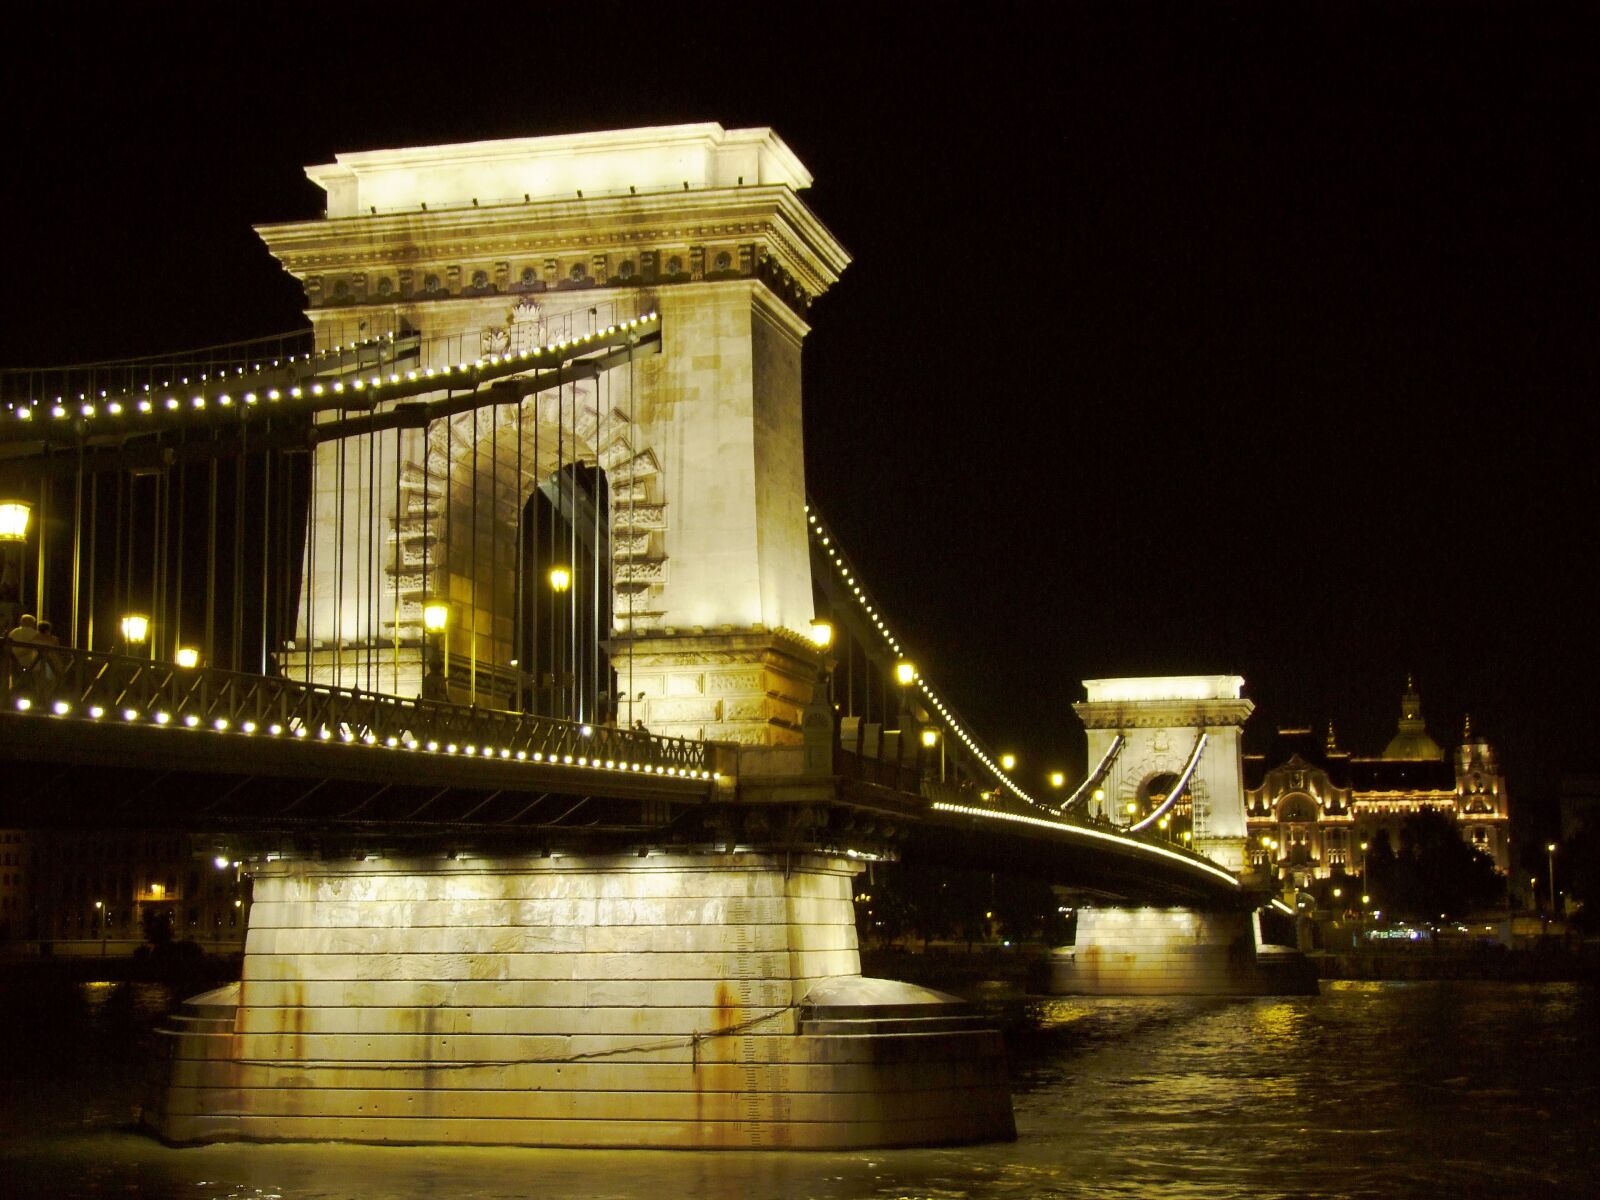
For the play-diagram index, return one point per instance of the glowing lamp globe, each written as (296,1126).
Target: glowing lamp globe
(135,628)
(435,616)
(14,516)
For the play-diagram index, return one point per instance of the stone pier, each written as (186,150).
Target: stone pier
(1176,951)
(684,1001)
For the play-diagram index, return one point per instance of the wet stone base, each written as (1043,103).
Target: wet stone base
(686,1001)
(1175,951)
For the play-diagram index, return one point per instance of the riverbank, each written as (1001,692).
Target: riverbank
(185,973)
(986,973)
(1556,964)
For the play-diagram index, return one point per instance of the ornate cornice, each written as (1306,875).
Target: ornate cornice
(771,217)
(1158,714)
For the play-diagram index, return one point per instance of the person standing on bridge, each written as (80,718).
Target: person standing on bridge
(23,638)
(49,666)
(434,687)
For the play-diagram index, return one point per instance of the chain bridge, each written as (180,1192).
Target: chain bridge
(489,623)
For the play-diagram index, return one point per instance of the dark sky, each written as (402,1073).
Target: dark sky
(1194,338)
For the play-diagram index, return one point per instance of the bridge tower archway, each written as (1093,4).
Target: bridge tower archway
(1161,721)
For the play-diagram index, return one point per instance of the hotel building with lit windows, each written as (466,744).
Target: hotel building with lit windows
(83,892)
(1309,812)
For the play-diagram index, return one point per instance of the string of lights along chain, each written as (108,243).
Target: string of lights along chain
(825,539)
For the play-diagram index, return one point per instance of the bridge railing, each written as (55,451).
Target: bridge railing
(62,681)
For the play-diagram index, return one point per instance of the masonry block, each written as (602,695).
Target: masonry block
(681,1001)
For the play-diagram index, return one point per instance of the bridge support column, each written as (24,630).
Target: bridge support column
(1176,951)
(679,1000)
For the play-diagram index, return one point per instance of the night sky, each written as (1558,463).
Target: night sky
(1201,338)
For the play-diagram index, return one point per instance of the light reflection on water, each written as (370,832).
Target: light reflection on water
(1369,1090)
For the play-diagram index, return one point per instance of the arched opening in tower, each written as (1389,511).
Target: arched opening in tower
(564,614)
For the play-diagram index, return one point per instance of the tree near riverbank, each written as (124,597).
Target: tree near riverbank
(1433,874)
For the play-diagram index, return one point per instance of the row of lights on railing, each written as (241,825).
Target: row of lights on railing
(906,673)
(63,708)
(115,408)
(256,369)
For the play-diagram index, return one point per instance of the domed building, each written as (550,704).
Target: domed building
(1309,813)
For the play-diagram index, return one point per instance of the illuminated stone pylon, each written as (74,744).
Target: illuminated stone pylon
(1178,732)
(1161,720)
(483,247)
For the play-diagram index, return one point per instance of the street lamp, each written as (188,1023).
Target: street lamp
(930,739)
(187,657)
(14,516)
(135,630)
(1550,851)
(13,532)
(1058,779)
(100,908)
(1008,762)
(821,633)
(435,620)
(905,673)
(560,582)
(435,616)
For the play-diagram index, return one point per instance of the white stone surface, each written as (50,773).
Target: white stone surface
(504,171)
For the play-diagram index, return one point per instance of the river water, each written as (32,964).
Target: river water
(1391,1090)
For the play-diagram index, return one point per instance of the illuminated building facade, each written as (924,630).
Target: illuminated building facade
(78,893)
(1311,811)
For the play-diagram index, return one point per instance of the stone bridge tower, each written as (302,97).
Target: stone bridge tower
(703,557)
(1161,720)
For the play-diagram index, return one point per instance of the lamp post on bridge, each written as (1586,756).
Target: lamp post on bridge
(930,739)
(905,674)
(435,623)
(135,632)
(560,583)
(14,515)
